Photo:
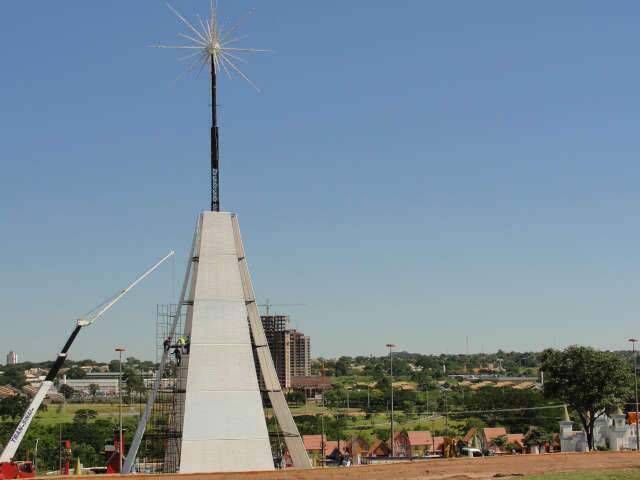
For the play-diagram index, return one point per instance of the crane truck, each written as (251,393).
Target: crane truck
(10,469)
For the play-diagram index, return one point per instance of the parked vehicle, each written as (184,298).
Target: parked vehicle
(471,452)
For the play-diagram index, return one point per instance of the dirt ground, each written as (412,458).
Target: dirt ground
(451,469)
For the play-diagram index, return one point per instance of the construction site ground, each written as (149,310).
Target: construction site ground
(510,466)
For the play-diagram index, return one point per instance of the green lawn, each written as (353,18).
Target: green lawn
(56,414)
(358,423)
(620,475)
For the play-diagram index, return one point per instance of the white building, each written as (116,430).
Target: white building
(12,358)
(610,432)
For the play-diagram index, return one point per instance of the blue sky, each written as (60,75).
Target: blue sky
(414,172)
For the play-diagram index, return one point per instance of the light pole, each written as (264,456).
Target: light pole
(446,411)
(35,456)
(390,346)
(120,439)
(635,377)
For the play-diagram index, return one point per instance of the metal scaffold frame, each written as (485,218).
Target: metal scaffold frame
(144,419)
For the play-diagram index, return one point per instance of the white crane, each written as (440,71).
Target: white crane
(86,320)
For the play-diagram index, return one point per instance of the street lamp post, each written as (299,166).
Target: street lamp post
(120,439)
(635,377)
(446,411)
(390,346)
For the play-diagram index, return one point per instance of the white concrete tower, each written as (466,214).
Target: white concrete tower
(222,426)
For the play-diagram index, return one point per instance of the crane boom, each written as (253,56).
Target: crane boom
(14,442)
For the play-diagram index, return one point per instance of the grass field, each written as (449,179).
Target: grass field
(56,414)
(357,423)
(619,475)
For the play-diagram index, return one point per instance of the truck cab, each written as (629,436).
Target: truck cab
(10,470)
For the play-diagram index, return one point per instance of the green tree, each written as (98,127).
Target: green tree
(66,391)
(87,454)
(94,388)
(500,441)
(84,415)
(342,366)
(296,398)
(382,434)
(76,372)
(474,422)
(513,447)
(536,437)
(13,375)
(13,407)
(590,381)
(409,406)
(133,382)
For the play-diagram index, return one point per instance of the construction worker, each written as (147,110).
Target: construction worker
(181,343)
(187,345)
(177,352)
(167,344)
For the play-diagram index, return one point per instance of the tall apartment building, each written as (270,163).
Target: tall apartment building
(300,354)
(276,329)
(290,349)
(12,358)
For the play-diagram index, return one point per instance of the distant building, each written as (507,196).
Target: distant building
(313,386)
(12,358)
(107,382)
(300,356)
(290,349)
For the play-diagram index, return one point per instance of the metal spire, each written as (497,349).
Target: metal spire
(214,44)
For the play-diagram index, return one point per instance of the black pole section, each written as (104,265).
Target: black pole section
(215,172)
(62,356)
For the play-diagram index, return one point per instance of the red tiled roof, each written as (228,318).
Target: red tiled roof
(467,438)
(8,391)
(331,445)
(438,443)
(315,381)
(516,438)
(420,438)
(492,433)
(379,444)
(312,442)
(358,444)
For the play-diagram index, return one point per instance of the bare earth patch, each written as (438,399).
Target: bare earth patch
(511,466)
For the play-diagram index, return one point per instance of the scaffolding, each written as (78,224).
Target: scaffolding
(160,448)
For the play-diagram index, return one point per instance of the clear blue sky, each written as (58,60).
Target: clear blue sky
(412,171)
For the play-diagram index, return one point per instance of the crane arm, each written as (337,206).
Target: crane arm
(97,312)
(14,442)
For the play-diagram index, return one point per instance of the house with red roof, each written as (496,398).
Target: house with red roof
(380,448)
(438,445)
(314,445)
(420,443)
(401,444)
(321,450)
(516,440)
(485,439)
(357,448)
(416,443)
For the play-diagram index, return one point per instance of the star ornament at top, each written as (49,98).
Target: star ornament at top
(214,43)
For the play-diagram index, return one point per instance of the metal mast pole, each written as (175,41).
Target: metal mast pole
(215,172)
(635,377)
(393,443)
(120,439)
